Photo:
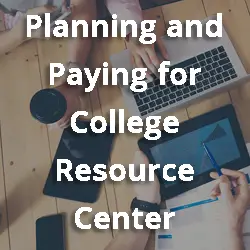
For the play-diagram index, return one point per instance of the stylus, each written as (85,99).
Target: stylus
(214,163)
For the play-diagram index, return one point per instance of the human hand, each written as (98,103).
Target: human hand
(73,95)
(146,191)
(145,54)
(236,205)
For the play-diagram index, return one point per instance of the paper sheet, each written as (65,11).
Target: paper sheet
(199,222)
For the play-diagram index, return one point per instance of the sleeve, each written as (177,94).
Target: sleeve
(125,9)
(11,21)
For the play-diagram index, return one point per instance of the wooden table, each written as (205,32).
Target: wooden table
(27,147)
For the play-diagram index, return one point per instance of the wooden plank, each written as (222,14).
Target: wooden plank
(235,15)
(209,104)
(4,225)
(51,51)
(110,97)
(25,148)
(125,145)
(56,51)
(183,11)
(103,99)
(95,62)
(108,185)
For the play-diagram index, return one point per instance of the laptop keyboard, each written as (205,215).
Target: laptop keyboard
(216,69)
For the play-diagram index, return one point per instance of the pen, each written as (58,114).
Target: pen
(214,163)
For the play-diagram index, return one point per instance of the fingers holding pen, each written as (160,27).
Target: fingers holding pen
(236,179)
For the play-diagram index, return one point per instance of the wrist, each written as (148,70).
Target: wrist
(145,206)
(236,231)
(235,240)
(154,200)
(237,225)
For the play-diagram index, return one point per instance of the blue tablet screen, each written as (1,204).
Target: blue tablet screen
(188,148)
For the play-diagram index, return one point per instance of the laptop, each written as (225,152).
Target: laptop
(221,70)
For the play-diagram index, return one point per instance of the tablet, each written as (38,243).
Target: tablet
(89,148)
(221,132)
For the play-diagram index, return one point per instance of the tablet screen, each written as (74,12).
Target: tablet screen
(88,148)
(188,149)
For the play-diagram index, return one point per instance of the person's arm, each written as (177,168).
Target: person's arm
(79,48)
(141,54)
(235,205)
(125,9)
(236,241)
(145,191)
(15,35)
